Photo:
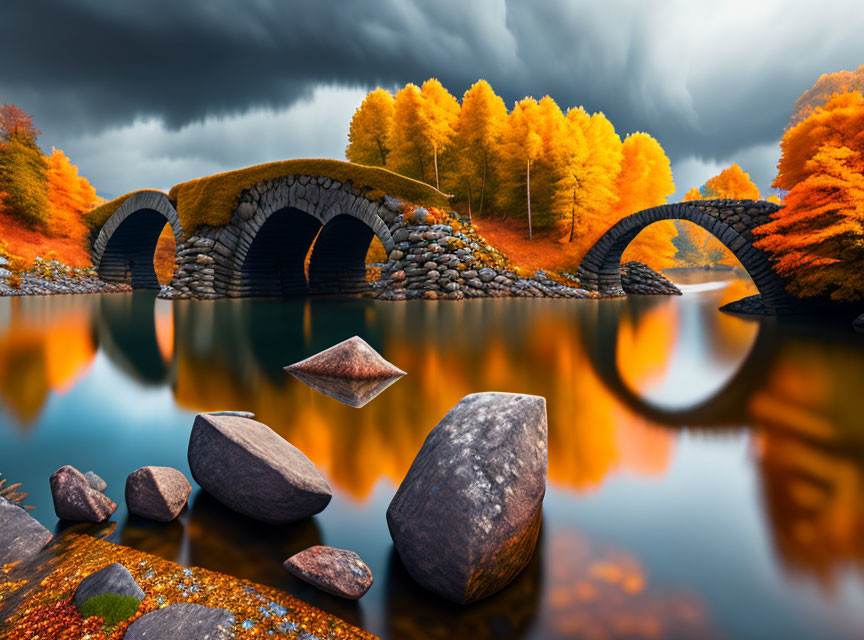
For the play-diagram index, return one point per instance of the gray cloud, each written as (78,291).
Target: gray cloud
(709,80)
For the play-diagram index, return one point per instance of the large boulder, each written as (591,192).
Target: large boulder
(466,517)
(21,536)
(337,571)
(157,493)
(183,621)
(251,469)
(114,579)
(75,499)
(351,372)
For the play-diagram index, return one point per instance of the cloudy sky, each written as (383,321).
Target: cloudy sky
(155,92)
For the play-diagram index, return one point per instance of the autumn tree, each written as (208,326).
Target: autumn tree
(817,239)
(439,111)
(693,194)
(370,127)
(478,133)
(732,184)
(409,149)
(688,244)
(645,181)
(22,167)
(821,92)
(592,169)
(69,196)
(521,145)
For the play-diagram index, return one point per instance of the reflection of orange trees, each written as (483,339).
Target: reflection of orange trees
(815,506)
(644,345)
(357,448)
(41,352)
(603,593)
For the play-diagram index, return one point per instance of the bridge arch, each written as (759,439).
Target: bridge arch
(730,221)
(262,251)
(124,249)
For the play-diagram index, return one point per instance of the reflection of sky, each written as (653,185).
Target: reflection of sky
(693,371)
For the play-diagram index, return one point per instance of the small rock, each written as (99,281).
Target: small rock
(95,481)
(115,578)
(466,517)
(251,469)
(75,499)
(858,324)
(338,571)
(22,535)
(157,493)
(182,621)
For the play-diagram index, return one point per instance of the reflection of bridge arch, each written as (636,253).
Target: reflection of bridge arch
(727,406)
(730,221)
(126,244)
(126,329)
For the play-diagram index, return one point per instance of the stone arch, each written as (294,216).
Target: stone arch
(124,249)
(262,250)
(730,221)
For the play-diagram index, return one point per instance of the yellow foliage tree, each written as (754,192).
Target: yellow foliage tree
(69,196)
(478,134)
(733,184)
(646,181)
(440,112)
(370,127)
(693,194)
(409,149)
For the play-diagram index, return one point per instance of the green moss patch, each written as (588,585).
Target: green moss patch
(212,200)
(111,607)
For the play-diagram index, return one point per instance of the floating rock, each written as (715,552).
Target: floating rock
(183,621)
(157,493)
(251,469)
(858,324)
(351,372)
(95,481)
(338,571)
(75,499)
(22,536)
(115,578)
(466,517)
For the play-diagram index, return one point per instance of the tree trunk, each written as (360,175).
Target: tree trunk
(381,151)
(573,217)
(530,230)
(470,219)
(435,155)
(483,184)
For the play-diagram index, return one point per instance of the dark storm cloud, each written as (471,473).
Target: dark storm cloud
(708,79)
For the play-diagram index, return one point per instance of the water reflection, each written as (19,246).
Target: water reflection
(632,387)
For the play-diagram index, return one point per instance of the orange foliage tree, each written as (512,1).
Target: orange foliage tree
(733,184)
(817,239)
(69,196)
(370,127)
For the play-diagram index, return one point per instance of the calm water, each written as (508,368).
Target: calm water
(705,472)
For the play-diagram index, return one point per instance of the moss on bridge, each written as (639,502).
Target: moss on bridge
(211,200)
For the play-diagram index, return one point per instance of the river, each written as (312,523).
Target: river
(706,472)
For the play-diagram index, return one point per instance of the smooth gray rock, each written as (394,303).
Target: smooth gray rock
(183,621)
(466,517)
(858,324)
(75,499)
(115,578)
(95,481)
(157,493)
(21,535)
(251,469)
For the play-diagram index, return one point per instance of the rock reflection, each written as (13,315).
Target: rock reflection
(354,393)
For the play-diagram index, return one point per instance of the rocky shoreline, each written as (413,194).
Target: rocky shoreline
(48,278)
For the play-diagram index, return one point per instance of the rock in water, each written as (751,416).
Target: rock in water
(338,571)
(183,621)
(22,536)
(466,517)
(95,481)
(351,372)
(157,493)
(251,469)
(115,578)
(75,499)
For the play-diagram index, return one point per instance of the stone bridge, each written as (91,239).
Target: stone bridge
(730,221)
(262,250)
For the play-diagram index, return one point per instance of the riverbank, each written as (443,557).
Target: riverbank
(48,278)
